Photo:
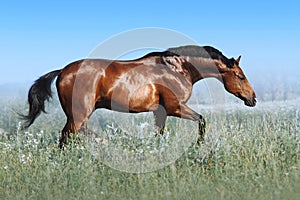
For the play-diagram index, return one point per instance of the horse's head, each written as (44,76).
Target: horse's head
(205,59)
(236,82)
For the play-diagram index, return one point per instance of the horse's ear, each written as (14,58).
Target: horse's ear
(238,59)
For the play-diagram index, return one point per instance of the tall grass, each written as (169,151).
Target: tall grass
(255,155)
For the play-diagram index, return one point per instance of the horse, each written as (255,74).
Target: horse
(158,82)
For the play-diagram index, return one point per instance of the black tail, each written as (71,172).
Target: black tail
(39,92)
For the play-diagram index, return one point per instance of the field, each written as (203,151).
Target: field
(251,154)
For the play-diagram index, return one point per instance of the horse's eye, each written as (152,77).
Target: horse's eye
(241,77)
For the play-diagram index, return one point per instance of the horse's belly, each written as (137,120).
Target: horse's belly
(144,98)
(137,99)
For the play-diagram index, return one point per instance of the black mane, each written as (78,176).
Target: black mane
(194,51)
(161,54)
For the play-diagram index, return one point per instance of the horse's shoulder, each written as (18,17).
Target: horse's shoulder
(176,64)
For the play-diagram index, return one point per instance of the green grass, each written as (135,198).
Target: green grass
(255,155)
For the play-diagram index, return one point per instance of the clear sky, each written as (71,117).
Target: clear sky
(40,36)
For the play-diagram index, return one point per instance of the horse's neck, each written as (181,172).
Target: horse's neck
(201,68)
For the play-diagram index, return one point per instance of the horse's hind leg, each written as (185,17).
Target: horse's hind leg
(77,116)
(73,125)
(85,130)
(77,97)
(160,116)
(65,134)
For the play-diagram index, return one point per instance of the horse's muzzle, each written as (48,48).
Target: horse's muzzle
(250,102)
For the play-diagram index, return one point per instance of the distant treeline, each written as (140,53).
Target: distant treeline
(277,88)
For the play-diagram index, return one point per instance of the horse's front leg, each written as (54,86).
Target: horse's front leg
(187,113)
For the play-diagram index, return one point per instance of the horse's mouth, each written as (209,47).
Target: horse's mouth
(248,101)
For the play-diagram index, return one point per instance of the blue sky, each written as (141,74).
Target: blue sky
(39,36)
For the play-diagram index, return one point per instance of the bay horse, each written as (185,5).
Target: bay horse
(159,82)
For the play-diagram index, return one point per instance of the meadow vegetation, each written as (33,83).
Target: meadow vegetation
(254,155)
